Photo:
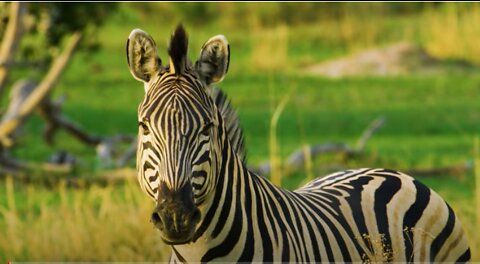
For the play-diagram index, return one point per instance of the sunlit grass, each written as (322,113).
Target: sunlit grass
(270,49)
(452,32)
(95,224)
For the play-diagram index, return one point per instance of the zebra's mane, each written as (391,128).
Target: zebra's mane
(231,121)
(178,48)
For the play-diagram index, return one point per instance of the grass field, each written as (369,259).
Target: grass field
(431,121)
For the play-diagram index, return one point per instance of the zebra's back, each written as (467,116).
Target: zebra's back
(384,215)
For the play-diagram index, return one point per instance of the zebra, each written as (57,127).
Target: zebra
(210,207)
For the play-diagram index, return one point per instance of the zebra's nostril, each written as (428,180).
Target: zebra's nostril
(196,216)
(155,219)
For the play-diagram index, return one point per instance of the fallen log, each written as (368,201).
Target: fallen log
(303,155)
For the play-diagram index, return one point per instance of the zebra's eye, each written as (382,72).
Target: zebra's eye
(206,129)
(144,127)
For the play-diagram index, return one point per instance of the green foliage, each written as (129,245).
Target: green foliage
(66,18)
(46,24)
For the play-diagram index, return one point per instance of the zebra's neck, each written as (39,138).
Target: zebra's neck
(228,210)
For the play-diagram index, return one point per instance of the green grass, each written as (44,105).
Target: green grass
(441,112)
(324,110)
(430,121)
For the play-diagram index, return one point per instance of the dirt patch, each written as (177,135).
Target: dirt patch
(397,59)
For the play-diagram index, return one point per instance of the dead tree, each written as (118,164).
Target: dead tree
(299,157)
(11,39)
(28,97)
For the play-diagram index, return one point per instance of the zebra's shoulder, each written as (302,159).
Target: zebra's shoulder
(231,120)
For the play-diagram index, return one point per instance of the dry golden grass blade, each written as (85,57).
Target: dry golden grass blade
(475,240)
(93,224)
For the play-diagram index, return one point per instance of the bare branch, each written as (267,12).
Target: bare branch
(108,150)
(10,41)
(40,92)
(50,111)
(20,91)
(24,64)
(128,155)
(368,132)
(57,174)
(298,157)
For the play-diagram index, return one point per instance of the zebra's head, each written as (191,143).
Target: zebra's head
(178,122)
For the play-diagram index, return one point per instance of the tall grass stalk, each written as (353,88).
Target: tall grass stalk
(274,152)
(476,157)
(308,162)
(275,159)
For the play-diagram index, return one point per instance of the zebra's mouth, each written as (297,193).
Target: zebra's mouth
(175,214)
(177,238)
(173,232)
(176,224)
(176,242)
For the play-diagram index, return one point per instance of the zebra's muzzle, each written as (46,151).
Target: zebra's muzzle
(176,215)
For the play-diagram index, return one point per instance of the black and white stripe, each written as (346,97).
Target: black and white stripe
(365,215)
(358,215)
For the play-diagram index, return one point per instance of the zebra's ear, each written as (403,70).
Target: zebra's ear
(214,60)
(142,57)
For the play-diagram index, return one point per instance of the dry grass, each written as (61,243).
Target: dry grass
(270,48)
(446,32)
(96,224)
(274,147)
(379,251)
(453,33)
(357,30)
(467,215)
(111,224)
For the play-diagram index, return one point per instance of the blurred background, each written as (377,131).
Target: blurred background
(319,87)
